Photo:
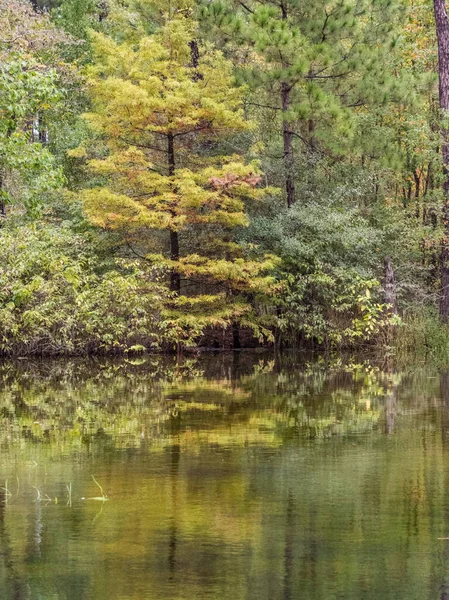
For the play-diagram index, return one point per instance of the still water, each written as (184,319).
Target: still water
(227,477)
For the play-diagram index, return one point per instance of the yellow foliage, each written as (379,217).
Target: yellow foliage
(153,108)
(79,152)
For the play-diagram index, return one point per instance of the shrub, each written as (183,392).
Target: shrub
(55,297)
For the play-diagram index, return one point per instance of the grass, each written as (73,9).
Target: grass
(422,338)
(42,497)
(103,497)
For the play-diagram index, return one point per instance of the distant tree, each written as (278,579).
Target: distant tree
(442,29)
(26,31)
(29,87)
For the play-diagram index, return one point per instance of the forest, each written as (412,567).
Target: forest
(180,174)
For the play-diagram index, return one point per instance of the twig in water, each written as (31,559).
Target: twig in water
(69,494)
(7,492)
(38,493)
(103,497)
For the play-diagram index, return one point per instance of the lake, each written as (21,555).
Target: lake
(223,477)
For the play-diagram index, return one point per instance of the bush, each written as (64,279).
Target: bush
(422,336)
(330,260)
(55,298)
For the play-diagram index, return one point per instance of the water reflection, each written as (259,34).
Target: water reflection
(227,477)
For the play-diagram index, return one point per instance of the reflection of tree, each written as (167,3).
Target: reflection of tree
(390,409)
(15,582)
(175,457)
(444,392)
(35,533)
(289,547)
(132,404)
(259,464)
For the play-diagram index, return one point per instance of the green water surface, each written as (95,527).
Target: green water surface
(226,477)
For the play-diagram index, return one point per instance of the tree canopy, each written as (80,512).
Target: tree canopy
(256,172)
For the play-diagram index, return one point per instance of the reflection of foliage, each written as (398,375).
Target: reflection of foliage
(214,457)
(149,402)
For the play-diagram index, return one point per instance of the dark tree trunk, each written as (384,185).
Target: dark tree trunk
(311,151)
(417,179)
(312,140)
(390,287)
(103,10)
(9,133)
(442,30)
(2,204)
(236,336)
(288,145)
(287,132)
(175,279)
(194,59)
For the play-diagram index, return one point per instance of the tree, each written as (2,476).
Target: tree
(442,29)
(78,16)
(25,31)
(162,104)
(27,168)
(29,87)
(310,65)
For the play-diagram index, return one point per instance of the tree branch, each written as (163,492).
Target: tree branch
(243,5)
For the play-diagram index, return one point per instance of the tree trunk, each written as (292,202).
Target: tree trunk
(287,132)
(175,279)
(288,146)
(103,10)
(236,336)
(390,287)
(311,153)
(417,179)
(194,59)
(442,30)
(2,204)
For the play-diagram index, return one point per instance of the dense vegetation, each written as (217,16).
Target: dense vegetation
(222,173)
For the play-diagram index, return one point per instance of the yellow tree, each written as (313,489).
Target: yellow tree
(163,104)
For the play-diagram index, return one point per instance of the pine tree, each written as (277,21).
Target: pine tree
(157,102)
(442,29)
(311,65)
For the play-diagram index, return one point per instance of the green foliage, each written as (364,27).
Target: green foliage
(55,298)
(311,66)
(78,16)
(184,119)
(328,263)
(27,170)
(30,89)
(422,337)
